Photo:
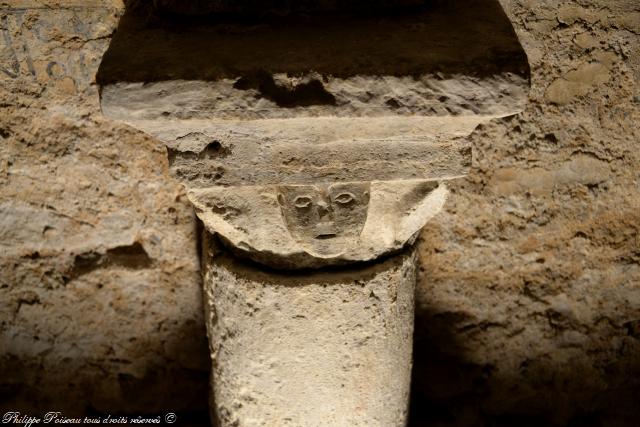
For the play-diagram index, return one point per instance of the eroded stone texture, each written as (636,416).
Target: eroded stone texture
(100,302)
(330,348)
(301,226)
(307,163)
(445,45)
(527,307)
(300,151)
(339,112)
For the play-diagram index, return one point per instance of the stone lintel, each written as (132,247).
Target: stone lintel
(450,58)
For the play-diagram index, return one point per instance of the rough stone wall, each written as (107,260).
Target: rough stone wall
(529,300)
(99,274)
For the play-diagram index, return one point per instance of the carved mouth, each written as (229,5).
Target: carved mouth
(325,236)
(325,230)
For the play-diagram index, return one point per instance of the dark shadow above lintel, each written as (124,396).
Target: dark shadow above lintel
(468,37)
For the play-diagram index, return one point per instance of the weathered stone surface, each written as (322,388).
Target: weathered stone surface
(237,82)
(331,348)
(530,292)
(457,39)
(577,83)
(527,306)
(302,226)
(99,277)
(298,151)
(314,121)
(289,96)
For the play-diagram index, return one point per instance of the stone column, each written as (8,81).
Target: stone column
(329,344)
(329,348)
(313,153)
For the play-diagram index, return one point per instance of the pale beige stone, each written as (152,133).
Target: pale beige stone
(331,153)
(246,131)
(311,225)
(205,153)
(353,96)
(331,348)
(493,339)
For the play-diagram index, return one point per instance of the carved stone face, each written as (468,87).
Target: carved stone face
(325,219)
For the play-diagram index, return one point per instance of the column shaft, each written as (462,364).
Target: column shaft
(319,348)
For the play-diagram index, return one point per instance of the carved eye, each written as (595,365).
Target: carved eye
(302,202)
(344,198)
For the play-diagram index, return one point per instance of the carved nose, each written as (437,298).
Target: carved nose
(323,209)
